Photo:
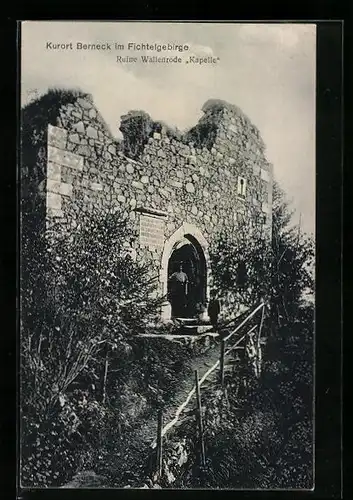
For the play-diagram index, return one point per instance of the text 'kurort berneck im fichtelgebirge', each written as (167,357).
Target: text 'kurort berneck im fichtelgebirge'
(137,47)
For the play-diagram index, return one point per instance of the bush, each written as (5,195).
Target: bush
(83,299)
(241,267)
(251,267)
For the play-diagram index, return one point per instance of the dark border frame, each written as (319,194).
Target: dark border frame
(329,339)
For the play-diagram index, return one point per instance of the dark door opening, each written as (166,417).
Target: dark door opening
(187,279)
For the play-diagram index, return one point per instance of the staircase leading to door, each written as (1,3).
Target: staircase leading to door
(192,326)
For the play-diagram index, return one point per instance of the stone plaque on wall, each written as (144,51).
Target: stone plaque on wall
(151,231)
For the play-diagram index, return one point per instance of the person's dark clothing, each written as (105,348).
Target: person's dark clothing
(178,283)
(214,308)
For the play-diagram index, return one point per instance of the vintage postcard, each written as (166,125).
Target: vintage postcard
(167,179)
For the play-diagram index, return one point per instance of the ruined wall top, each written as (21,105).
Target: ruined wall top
(220,120)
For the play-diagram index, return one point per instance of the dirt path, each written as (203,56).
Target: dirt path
(202,364)
(137,449)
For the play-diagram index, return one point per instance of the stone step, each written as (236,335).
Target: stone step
(187,321)
(193,325)
(196,329)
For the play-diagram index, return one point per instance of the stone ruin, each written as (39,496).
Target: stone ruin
(177,189)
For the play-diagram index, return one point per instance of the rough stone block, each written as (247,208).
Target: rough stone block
(129,168)
(75,138)
(265,196)
(241,209)
(87,151)
(53,201)
(92,113)
(232,128)
(190,188)
(265,176)
(59,187)
(156,135)
(144,179)
(266,208)
(176,184)
(54,171)
(66,189)
(164,193)
(53,186)
(65,158)
(77,113)
(192,159)
(55,212)
(92,132)
(84,103)
(79,127)
(57,137)
(137,185)
(256,169)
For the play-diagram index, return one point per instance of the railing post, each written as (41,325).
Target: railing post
(258,346)
(106,364)
(199,418)
(244,321)
(223,350)
(160,445)
(261,325)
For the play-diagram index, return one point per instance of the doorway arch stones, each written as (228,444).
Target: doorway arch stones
(185,230)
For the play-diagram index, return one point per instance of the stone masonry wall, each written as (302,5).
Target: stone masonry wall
(195,179)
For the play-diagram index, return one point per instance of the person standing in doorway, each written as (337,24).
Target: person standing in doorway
(178,291)
(214,309)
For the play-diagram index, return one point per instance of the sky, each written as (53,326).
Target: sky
(268,70)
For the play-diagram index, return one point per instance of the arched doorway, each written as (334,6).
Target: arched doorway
(187,246)
(187,256)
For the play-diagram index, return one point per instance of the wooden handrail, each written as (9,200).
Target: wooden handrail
(230,322)
(170,424)
(239,340)
(244,321)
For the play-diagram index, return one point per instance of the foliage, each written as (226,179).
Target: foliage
(137,127)
(35,117)
(53,448)
(293,261)
(251,267)
(265,439)
(241,266)
(83,297)
(262,436)
(35,114)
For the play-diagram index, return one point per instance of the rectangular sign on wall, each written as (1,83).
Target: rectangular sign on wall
(151,231)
